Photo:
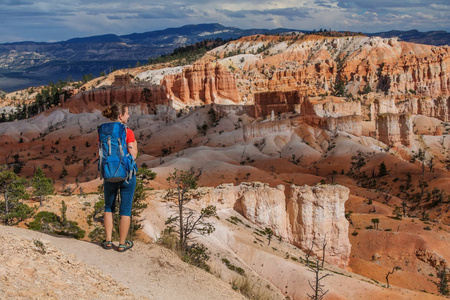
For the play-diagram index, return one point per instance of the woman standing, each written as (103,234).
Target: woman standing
(118,112)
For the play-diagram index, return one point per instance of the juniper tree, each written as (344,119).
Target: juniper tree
(269,232)
(64,173)
(42,185)
(375,223)
(382,170)
(443,282)
(391,272)
(186,221)
(12,188)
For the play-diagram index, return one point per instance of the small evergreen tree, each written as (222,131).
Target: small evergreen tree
(42,185)
(12,188)
(50,222)
(186,222)
(382,170)
(367,89)
(375,222)
(269,232)
(64,173)
(144,175)
(17,165)
(443,282)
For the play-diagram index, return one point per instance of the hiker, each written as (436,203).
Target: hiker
(124,184)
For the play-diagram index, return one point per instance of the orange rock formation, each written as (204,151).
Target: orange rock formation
(202,83)
(148,96)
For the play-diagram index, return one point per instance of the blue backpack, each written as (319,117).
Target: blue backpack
(115,163)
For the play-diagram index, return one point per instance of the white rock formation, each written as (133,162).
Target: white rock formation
(265,206)
(259,203)
(317,215)
(310,216)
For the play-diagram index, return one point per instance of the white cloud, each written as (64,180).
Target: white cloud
(64,19)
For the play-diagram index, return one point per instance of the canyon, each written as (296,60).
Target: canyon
(286,133)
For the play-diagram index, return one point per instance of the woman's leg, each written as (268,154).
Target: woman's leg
(109,224)
(126,201)
(123,229)
(110,192)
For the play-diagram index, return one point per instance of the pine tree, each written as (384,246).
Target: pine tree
(443,282)
(64,173)
(186,222)
(12,188)
(382,170)
(42,185)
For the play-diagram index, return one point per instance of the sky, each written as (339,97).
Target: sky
(59,20)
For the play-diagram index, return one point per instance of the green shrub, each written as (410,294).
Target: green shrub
(232,267)
(49,222)
(197,255)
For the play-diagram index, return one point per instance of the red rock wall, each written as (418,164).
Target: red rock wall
(146,96)
(205,83)
(121,80)
(281,102)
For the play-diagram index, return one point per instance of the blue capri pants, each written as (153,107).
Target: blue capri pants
(126,195)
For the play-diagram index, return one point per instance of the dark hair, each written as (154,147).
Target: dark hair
(114,111)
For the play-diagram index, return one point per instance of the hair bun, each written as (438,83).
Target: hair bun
(114,111)
(107,112)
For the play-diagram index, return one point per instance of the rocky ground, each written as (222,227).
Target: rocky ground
(39,266)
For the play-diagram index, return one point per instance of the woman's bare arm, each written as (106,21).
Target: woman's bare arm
(132,149)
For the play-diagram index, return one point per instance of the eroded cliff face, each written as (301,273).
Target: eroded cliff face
(350,124)
(307,218)
(317,216)
(264,128)
(257,202)
(277,102)
(384,106)
(146,95)
(437,108)
(392,129)
(202,83)
(319,63)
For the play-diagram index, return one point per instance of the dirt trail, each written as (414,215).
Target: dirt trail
(149,271)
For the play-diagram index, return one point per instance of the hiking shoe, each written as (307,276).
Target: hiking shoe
(125,247)
(106,244)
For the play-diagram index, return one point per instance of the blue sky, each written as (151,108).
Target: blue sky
(57,20)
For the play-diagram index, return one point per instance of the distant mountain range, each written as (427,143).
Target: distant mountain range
(436,38)
(24,64)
